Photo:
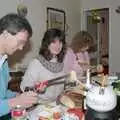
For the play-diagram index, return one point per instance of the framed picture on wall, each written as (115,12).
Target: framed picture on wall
(56,18)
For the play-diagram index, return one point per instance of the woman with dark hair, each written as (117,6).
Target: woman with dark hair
(53,36)
(48,65)
(77,57)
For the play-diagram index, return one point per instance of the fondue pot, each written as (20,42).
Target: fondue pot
(100,101)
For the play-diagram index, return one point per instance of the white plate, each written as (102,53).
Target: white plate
(45,110)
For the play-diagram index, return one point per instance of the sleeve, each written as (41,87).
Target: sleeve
(84,60)
(4,107)
(68,62)
(31,75)
(10,94)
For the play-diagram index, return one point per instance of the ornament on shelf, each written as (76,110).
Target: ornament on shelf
(22,10)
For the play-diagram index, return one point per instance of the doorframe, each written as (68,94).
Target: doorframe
(84,27)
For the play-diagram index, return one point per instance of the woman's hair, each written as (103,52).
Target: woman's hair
(48,38)
(80,40)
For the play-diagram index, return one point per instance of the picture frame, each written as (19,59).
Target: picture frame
(56,18)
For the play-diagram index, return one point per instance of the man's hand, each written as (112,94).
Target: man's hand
(25,99)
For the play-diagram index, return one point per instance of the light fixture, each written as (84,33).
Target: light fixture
(95,16)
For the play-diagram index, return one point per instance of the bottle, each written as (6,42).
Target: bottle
(18,113)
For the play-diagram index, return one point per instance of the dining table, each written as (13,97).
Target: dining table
(49,109)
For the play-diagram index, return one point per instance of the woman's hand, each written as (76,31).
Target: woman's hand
(40,87)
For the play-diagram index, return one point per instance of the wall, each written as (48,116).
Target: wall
(37,17)
(114,28)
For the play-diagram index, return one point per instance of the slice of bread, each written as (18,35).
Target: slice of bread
(65,100)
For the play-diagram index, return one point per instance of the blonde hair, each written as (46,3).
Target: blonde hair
(80,40)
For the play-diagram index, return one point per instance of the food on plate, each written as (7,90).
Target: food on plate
(43,118)
(65,100)
(79,90)
(77,98)
(56,115)
(78,112)
(70,116)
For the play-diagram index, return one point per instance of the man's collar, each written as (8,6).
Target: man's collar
(5,56)
(2,59)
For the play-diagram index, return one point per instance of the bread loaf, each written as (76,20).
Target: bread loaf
(65,100)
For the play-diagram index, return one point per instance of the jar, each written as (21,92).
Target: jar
(18,113)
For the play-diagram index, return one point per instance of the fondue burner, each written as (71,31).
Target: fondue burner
(101,101)
(94,115)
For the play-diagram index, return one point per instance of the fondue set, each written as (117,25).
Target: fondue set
(101,100)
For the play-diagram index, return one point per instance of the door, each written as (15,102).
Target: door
(97,24)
